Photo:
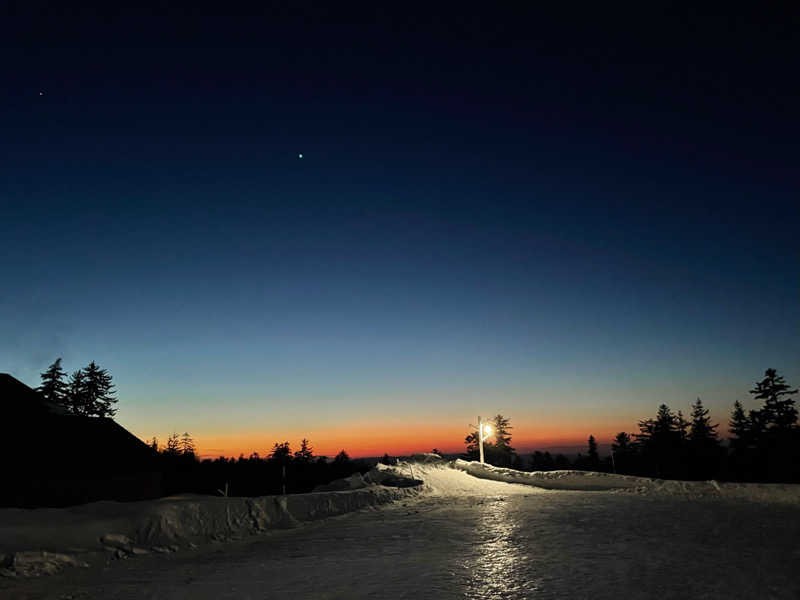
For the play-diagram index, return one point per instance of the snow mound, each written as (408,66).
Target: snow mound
(592,481)
(34,541)
(440,479)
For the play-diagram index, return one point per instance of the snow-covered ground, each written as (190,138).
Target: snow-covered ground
(590,481)
(464,536)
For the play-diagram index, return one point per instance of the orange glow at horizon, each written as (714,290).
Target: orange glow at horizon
(399,439)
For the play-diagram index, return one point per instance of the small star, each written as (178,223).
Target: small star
(299,156)
(41,93)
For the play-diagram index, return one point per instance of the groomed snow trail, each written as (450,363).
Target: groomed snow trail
(470,538)
(441,480)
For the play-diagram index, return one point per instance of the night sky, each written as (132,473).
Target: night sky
(567,219)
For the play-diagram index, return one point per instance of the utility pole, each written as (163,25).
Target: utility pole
(480,437)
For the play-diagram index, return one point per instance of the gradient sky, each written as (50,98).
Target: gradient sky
(564,219)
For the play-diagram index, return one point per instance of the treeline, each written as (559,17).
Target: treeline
(88,391)
(280,471)
(763,446)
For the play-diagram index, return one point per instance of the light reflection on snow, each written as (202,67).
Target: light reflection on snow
(500,565)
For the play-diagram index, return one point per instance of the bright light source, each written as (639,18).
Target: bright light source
(487,429)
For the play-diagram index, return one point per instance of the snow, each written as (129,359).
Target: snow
(592,481)
(164,525)
(44,541)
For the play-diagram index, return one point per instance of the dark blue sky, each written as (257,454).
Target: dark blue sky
(541,213)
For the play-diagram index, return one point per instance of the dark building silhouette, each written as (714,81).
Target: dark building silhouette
(55,458)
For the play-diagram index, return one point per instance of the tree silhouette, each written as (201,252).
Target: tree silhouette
(173,447)
(500,453)
(592,457)
(187,446)
(701,430)
(778,412)
(305,454)
(75,400)
(704,448)
(659,443)
(53,387)
(775,437)
(280,453)
(471,441)
(624,453)
(739,426)
(93,392)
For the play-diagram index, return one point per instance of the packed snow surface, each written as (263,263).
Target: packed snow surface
(455,536)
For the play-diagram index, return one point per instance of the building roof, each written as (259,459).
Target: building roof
(45,438)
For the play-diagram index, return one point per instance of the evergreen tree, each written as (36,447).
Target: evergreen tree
(779,412)
(386,460)
(665,423)
(173,447)
(280,452)
(154,444)
(98,392)
(341,458)
(305,454)
(471,441)
(53,388)
(187,447)
(660,444)
(775,451)
(702,432)
(703,446)
(681,426)
(500,453)
(621,443)
(75,400)
(592,458)
(623,452)
(739,426)
(502,438)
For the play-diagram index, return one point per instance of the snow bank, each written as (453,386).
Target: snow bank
(552,480)
(591,481)
(35,541)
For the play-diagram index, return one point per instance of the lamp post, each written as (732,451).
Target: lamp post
(484,431)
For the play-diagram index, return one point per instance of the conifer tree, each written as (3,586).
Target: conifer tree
(621,443)
(500,453)
(305,454)
(739,426)
(779,412)
(592,457)
(623,452)
(173,445)
(701,431)
(53,387)
(280,452)
(341,458)
(471,441)
(681,426)
(187,446)
(75,399)
(98,392)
